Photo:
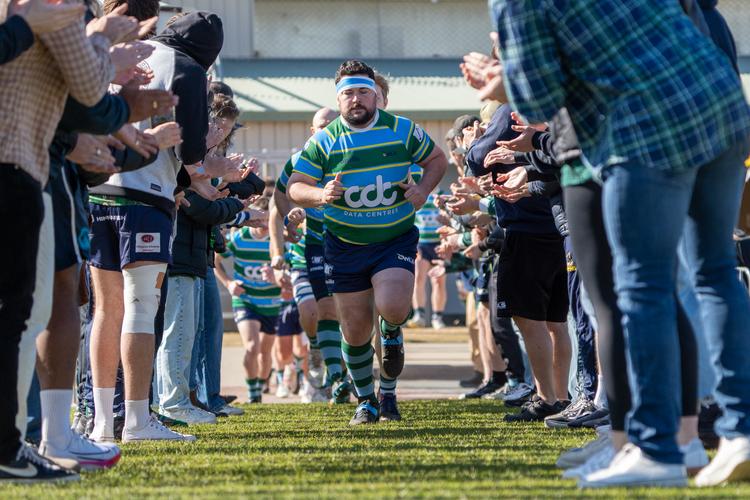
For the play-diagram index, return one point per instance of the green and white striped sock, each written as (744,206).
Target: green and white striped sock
(329,341)
(359,362)
(387,385)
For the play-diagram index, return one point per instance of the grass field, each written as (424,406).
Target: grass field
(448,449)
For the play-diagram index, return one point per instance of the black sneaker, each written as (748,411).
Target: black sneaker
(341,392)
(597,418)
(30,467)
(118,424)
(389,407)
(709,413)
(256,400)
(229,398)
(480,391)
(535,412)
(583,407)
(393,352)
(474,381)
(366,413)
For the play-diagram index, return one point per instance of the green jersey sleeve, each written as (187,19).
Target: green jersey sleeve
(312,160)
(419,144)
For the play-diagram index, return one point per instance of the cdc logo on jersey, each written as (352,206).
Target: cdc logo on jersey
(364,199)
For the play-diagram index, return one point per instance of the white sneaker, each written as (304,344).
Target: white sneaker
(232,411)
(88,454)
(438,323)
(190,415)
(518,392)
(307,392)
(282,391)
(631,467)
(731,463)
(694,456)
(154,431)
(596,462)
(578,456)
(416,321)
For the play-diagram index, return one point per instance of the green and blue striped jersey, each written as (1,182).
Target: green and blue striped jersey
(315,230)
(296,254)
(426,218)
(250,256)
(372,161)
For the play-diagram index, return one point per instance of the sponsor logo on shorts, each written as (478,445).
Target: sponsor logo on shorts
(147,242)
(328,269)
(410,260)
(317,260)
(501,306)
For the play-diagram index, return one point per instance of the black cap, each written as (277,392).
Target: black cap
(462,122)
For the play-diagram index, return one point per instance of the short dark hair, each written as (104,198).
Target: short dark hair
(139,9)
(382,82)
(217,87)
(353,67)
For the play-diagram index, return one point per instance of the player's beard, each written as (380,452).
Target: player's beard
(360,120)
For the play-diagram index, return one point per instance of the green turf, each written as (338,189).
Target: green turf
(449,449)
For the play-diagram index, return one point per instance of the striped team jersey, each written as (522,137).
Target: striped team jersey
(314,216)
(250,256)
(296,254)
(427,216)
(372,161)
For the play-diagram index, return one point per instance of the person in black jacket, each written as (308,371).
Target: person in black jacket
(532,281)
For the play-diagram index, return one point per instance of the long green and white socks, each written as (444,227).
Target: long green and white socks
(358,361)
(387,385)
(254,387)
(329,341)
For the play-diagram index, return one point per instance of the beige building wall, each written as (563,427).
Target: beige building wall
(272,142)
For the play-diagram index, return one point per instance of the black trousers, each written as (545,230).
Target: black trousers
(21,214)
(583,205)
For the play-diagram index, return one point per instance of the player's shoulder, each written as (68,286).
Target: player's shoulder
(326,138)
(405,128)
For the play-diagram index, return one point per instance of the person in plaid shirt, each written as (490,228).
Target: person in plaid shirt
(660,115)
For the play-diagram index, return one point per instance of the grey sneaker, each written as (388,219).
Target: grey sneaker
(581,408)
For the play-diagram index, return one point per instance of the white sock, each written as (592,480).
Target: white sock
(104,417)
(136,414)
(56,417)
(600,398)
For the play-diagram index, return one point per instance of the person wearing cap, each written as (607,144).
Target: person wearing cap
(363,159)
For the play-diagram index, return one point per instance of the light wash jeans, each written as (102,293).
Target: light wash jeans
(182,315)
(207,365)
(646,212)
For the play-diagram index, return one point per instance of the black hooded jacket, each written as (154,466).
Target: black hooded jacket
(197,39)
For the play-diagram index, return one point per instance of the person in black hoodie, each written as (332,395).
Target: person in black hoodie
(133,217)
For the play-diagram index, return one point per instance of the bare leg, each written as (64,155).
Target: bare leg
(562,351)
(536,336)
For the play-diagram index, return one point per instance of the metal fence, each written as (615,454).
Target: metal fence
(737,14)
(370,28)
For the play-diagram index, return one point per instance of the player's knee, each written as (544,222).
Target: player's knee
(141,296)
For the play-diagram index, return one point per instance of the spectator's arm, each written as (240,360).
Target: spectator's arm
(533,71)
(105,117)
(211,213)
(15,37)
(83,61)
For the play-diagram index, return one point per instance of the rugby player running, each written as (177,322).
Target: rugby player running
(363,159)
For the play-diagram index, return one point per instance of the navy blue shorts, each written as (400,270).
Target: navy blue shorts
(288,322)
(267,323)
(351,267)
(316,275)
(69,216)
(427,251)
(132,233)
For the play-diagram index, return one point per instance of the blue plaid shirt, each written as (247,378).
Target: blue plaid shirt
(641,84)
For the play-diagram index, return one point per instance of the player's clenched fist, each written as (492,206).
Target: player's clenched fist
(333,190)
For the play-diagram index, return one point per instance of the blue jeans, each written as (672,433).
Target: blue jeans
(646,212)
(182,315)
(586,370)
(689,299)
(208,367)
